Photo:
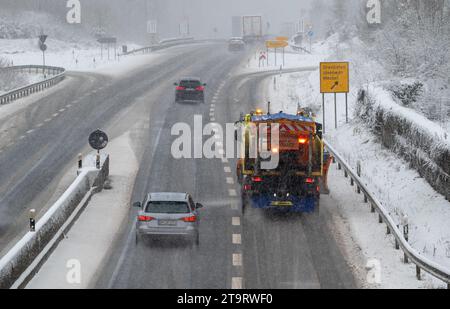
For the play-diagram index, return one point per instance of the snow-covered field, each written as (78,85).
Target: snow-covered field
(399,188)
(85,56)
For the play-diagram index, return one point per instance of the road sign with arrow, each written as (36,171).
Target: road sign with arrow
(334,77)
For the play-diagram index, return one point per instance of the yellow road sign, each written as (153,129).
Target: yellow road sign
(334,77)
(276,44)
(282,38)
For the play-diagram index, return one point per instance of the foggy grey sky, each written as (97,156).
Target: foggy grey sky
(207,14)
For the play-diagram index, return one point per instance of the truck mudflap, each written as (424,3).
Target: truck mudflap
(291,204)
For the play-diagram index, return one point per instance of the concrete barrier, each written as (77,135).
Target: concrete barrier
(23,254)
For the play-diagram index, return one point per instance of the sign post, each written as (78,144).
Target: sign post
(334,78)
(98,140)
(43,47)
(275,45)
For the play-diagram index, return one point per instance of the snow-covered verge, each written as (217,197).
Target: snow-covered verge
(18,262)
(400,188)
(366,244)
(74,248)
(292,60)
(423,143)
(68,46)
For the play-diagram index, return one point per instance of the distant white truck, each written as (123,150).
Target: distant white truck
(252,28)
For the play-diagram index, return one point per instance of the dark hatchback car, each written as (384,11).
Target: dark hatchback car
(190,89)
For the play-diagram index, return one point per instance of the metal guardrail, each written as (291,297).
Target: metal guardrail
(410,254)
(162,44)
(300,49)
(58,74)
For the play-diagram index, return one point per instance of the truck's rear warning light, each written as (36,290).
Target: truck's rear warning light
(302,140)
(256,179)
(247,187)
(309,180)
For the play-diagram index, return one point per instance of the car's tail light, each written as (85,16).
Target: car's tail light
(180,88)
(190,219)
(145,218)
(200,88)
(309,180)
(247,187)
(256,179)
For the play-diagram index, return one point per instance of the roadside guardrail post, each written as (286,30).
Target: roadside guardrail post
(418,273)
(32,220)
(339,166)
(388,230)
(97,161)
(80,160)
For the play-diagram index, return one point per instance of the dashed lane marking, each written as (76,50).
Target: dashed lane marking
(227,169)
(30,131)
(237,259)
(237,239)
(236,221)
(48,120)
(55,115)
(232,192)
(236,283)
(230,181)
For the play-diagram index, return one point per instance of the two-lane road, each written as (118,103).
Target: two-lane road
(252,251)
(40,141)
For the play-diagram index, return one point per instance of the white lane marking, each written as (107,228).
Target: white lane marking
(212,109)
(39,125)
(48,120)
(236,221)
(232,192)
(230,181)
(227,169)
(214,100)
(75,102)
(236,283)
(237,259)
(126,249)
(224,160)
(55,115)
(213,119)
(30,131)
(22,137)
(69,105)
(62,110)
(237,239)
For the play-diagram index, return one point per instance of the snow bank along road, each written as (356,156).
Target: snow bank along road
(254,251)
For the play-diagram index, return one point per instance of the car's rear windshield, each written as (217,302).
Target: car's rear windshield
(190,83)
(167,207)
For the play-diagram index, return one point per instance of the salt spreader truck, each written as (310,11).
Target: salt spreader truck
(300,177)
